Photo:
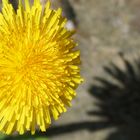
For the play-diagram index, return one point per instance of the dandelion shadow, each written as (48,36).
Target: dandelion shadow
(119,102)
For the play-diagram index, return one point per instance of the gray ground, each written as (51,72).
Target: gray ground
(105,27)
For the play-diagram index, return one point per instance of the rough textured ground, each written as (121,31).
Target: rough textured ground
(104,29)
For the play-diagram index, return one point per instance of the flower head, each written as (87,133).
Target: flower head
(38,66)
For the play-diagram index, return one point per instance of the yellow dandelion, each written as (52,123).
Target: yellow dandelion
(38,67)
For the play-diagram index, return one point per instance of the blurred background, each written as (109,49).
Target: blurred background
(107,106)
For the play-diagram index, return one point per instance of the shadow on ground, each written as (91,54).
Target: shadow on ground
(118,102)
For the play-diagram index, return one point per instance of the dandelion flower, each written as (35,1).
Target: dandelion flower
(38,67)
